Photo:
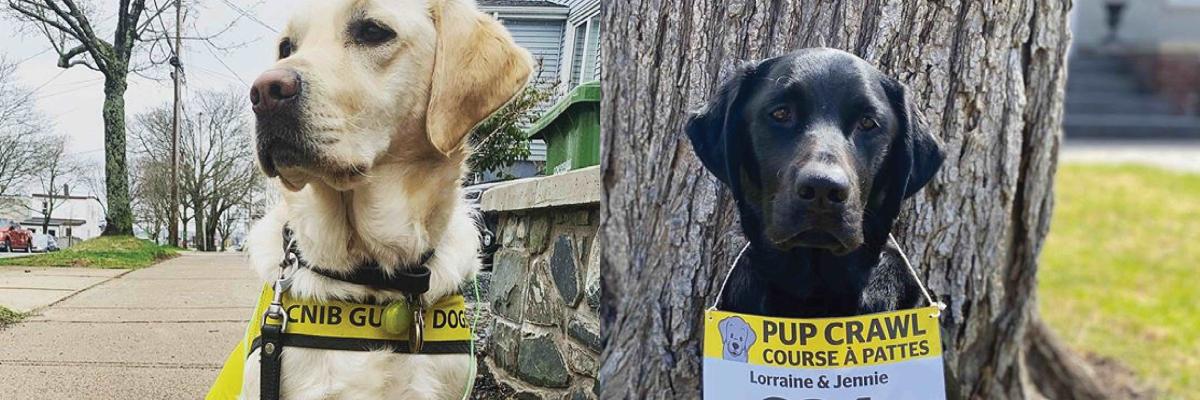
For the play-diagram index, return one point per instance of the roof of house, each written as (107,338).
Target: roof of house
(59,196)
(37,221)
(518,3)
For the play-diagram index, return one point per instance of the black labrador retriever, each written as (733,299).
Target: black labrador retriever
(819,149)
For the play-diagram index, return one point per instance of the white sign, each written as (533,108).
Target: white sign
(893,356)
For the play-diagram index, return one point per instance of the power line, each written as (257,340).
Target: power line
(22,61)
(247,15)
(75,153)
(220,75)
(74,87)
(47,82)
(209,46)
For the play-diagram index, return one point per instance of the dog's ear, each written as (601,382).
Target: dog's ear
(913,158)
(723,327)
(751,336)
(710,129)
(476,70)
(919,145)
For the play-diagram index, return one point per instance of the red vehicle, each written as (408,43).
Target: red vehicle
(13,237)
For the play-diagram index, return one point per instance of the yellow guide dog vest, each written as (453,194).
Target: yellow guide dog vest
(339,325)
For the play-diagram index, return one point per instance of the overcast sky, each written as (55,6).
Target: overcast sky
(72,98)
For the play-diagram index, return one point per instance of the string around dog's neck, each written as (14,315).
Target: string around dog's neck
(891,238)
(412,280)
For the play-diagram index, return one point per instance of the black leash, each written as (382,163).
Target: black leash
(412,281)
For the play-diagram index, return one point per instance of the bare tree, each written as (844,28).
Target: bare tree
(70,28)
(151,189)
(988,76)
(217,171)
(21,129)
(57,172)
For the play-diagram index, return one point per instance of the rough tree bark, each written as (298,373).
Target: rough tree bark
(116,177)
(989,76)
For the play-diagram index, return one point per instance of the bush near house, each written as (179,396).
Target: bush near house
(101,252)
(1118,277)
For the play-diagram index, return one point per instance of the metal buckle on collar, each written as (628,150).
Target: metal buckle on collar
(416,335)
(275,309)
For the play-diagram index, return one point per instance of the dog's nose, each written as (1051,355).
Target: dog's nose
(274,90)
(825,188)
(736,346)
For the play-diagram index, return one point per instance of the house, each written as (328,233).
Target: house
(74,219)
(1134,70)
(564,38)
(562,35)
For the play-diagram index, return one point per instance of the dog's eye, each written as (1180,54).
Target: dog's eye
(781,115)
(285,48)
(371,33)
(867,123)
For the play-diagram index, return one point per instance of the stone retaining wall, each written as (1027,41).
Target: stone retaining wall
(545,287)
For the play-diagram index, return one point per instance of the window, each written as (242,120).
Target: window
(577,53)
(585,52)
(592,71)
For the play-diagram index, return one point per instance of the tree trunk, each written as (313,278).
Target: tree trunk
(989,77)
(198,215)
(116,177)
(210,235)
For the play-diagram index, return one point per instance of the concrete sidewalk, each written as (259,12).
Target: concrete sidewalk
(25,289)
(156,333)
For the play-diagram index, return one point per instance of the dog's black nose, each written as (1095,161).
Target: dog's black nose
(735,345)
(824,188)
(274,90)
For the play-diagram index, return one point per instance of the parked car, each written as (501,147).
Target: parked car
(13,237)
(489,243)
(44,243)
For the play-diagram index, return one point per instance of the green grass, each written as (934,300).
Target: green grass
(101,252)
(8,317)
(1120,273)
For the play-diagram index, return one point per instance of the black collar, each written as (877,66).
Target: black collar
(412,280)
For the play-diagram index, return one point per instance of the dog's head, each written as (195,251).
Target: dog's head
(818,147)
(736,335)
(359,83)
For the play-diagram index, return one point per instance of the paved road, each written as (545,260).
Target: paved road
(156,333)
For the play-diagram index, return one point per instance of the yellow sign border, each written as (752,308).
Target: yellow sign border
(826,343)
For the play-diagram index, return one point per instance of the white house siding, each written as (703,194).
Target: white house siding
(581,9)
(543,39)
(75,208)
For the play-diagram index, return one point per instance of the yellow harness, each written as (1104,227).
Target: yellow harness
(339,325)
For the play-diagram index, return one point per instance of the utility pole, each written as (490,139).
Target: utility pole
(173,227)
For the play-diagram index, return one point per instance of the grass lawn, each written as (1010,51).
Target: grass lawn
(101,252)
(1120,273)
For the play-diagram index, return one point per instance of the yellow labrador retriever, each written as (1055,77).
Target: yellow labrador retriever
(363,120)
